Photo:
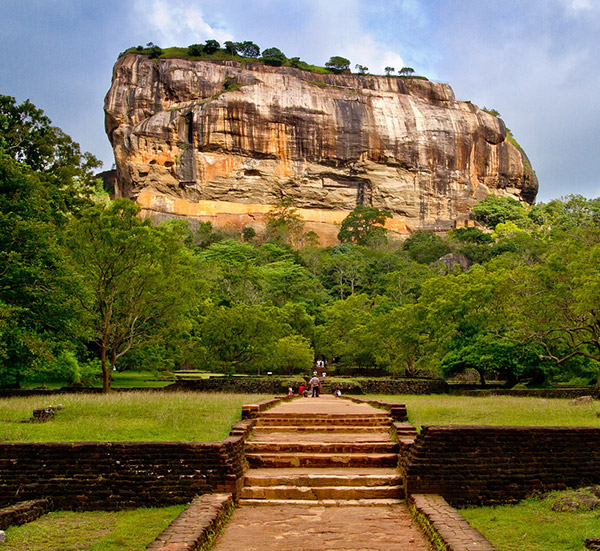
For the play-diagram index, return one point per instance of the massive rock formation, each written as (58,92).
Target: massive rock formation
(224,141)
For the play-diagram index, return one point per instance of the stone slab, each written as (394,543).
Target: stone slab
(319,528)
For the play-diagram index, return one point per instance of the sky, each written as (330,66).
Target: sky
(534,61)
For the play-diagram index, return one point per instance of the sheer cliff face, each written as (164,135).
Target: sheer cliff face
(222,142)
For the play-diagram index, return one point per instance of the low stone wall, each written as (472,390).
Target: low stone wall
(242,385)
(445,527)
(397,411)
(116,475)
(278,386)
(197,526)
(565,393)
(22,512)
(483,464)
(404,386)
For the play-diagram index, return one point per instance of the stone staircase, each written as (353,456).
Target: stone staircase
(324,458)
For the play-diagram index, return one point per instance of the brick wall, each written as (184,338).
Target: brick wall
(115,475)
(471,464)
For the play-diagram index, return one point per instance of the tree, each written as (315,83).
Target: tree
(231,47)
(248,49)
(364,226)
(240,338)
(494,210)
(406,71)
(195,50)
(425,247)
(292,355)
(338,64)
(559,299)
(402,340)
(361,69)
(273,56)
(389,70)
(135,278)
(45,179)
(284,223)
(344,335)
(28,137)
(211,46)
(37,318)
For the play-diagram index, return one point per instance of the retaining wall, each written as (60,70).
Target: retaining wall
(472,464)
(116,475)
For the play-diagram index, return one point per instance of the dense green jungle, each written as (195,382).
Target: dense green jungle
(88,287)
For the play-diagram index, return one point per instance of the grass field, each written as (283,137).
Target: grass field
(532,526)
(91,531)
(131,416)
(495,410)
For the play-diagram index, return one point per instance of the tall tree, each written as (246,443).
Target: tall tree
(560,299)
(136,279)
(364,226)
(44,180)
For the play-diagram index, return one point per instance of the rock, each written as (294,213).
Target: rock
(593,544)
(451,263)
(223,142)
(594,490)
(575,502)
(581,400)
(2,536)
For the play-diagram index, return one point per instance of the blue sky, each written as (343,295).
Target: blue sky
(535,61)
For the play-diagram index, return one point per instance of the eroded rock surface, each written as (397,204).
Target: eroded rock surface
(223,142)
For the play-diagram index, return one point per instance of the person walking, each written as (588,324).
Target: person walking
(314,385)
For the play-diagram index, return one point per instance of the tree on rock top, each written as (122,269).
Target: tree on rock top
(273,56)
(338,64)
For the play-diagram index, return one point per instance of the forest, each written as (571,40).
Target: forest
(88,286)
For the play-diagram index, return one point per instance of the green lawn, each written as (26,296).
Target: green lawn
(441,409)
(532,526)
(91,531)
(130,416)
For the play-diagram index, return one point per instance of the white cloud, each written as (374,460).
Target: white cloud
(581,4)
(178,22)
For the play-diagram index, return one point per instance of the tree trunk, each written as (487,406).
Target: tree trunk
(481,377)
(105,369)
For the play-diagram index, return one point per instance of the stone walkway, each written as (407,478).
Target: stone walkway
(323,476)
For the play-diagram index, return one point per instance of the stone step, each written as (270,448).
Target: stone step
(322,420)
(317,428)
(311,493)
(321,447)
(276,414)
(321,436)
(321,460)
(322,477)
(323,502)
(405,429)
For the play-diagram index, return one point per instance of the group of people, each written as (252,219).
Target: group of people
(315,387)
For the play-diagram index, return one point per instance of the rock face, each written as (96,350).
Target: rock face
(224,142)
